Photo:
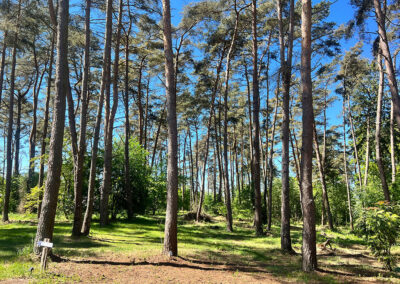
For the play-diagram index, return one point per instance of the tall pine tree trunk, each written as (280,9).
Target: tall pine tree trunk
(46,122)
(79,170)
(379,161)
(171,226)
(10,121)
(286,71)
(390,68)
(109,126)
(105,87)
(49,205)
(309,249)
(256,128)
(345,167)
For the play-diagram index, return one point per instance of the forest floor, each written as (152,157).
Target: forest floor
(130,252)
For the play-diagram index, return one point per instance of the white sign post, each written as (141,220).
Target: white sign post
(46,247)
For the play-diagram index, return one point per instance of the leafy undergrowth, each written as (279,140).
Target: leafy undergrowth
(130,250)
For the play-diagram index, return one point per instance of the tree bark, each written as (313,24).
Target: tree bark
(271,158)
(345,167)
(105,87)
(309,249)
(171,226)
(33,132)
(207,146)
(109,126)
(286,71)
(392,144)
(3,63)
(127,180)
(384,46)
(79,170)
(367,154)
(10,122)
(48,211)
(321,170)
(45,122)
(256,128)
(379,161)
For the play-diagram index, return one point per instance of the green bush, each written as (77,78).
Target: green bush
(380,227)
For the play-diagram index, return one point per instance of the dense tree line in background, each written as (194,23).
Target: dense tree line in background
(247,109)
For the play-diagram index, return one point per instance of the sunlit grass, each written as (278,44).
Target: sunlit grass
(143,237)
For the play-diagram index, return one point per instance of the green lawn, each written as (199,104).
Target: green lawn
(142,238)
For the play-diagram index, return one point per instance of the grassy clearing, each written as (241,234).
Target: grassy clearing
(136,241)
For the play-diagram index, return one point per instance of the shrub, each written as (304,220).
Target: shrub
(380,227)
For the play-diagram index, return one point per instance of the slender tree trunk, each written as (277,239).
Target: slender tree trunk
(79,170)
(392,144)
(246,74)
(146,114)
(157,136)
(105,87)
(139,102)
(18,135)
(171,226)
(384,46)
(345,167)
(184,173)
(379,161)
(354,138)
(225,142)
(207,146)
(109,126)
(46,122)
(256,128)
(3,63)
(321,170)
(367,154)
(191,170)
(49,205)
(309,249)
(219,154)
(127,180)
(33,132)
(286,66)
(10,121)
(271,157)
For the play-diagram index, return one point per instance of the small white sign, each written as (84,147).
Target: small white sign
(45,244)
